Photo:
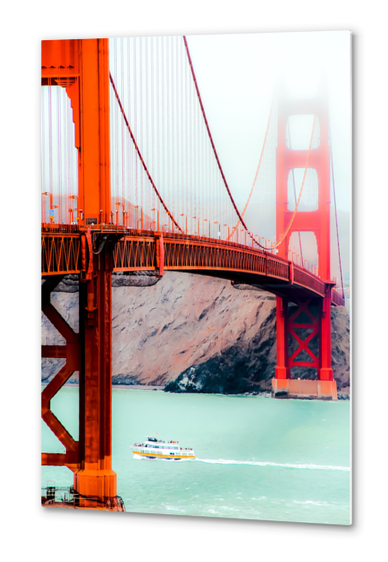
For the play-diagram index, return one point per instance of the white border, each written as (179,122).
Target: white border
(28,530)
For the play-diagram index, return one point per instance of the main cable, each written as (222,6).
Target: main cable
(210,135)
(257,172)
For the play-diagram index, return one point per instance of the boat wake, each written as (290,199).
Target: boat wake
(275,464)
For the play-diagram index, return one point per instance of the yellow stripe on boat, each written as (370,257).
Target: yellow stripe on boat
(164,456)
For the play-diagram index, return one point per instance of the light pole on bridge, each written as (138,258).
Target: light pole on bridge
(117,213)
(183,215)
(198,224)
(124,211)
(138,219)
(157,224)
(51,215)
(204,220)
(73,209)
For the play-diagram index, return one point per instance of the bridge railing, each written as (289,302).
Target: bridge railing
(142,251)
(135,253)
(306,279)
(337,299)
(60,253)
(209,254)
(59,228)
(278,267)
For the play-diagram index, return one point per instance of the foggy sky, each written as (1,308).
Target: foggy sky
(237,74)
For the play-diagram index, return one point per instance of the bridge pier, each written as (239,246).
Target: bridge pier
(90,352)
(282,369)
(95,477)
(289,328)
(292,388)
(82,67)
(325,371)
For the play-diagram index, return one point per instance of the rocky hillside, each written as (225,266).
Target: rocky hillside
(203,333)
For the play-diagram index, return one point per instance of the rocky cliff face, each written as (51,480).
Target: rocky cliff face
(192,333)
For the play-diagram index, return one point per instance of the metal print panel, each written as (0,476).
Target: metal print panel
(195,259)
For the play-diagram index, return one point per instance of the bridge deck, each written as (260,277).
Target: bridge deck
(62,253)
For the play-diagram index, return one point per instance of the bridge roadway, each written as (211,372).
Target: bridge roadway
(65,250)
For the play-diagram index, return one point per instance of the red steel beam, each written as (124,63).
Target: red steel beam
(82,67)
(71,352)
(96,478)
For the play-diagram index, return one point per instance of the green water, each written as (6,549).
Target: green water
(257,458)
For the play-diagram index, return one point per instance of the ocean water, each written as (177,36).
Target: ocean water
(257,458)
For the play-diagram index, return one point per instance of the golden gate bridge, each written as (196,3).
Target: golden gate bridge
(132,181)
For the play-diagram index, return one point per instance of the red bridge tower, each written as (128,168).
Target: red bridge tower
(310,317)
(82,67)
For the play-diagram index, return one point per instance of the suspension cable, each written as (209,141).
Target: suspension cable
(335,211)
(210,136)
(293,181)
(277,244)
(139,154)
(257,172)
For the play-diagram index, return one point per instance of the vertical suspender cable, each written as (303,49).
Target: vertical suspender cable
(293,179)
(50,144)
(116,143)
(186,130)
(135,127)
(158,118)
(210,136)
(336,219)
(153,201)
(146,116)
(168,213)
(168,134)
(123,155)
(66,141)
(140,125)
(59,164)
(162,122)
(43,149)
(174,88)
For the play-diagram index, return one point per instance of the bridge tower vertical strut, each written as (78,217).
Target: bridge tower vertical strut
(318,222)
(82,67)
(95,477)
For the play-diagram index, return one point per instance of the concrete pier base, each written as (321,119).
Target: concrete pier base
(292,388)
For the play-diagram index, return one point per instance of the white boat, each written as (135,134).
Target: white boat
(157,449)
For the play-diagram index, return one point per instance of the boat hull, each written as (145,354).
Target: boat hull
(152,456)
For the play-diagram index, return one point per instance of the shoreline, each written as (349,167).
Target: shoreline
(118,386)
(265,394)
